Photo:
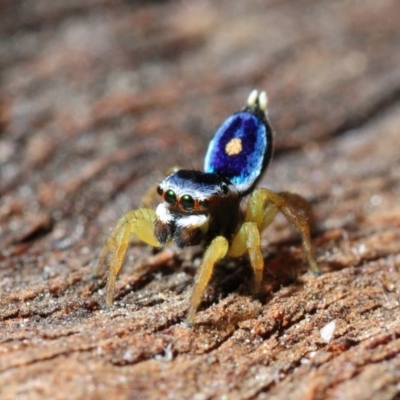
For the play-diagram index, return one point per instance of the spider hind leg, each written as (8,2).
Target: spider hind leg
(298,212)
(263,206)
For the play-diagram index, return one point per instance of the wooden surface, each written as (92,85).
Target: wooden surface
(98,98)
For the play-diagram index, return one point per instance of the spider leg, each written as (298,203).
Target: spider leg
(248,239)
(138,222)
(261,209)
(215,252)
(295,209)
(298,212)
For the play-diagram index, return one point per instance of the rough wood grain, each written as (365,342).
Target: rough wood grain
(97,98)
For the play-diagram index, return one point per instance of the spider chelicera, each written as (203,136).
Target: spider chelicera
(205,206)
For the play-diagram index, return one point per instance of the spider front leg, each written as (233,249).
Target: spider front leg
(215,252)
(248,239)
(138,222)
(263,206)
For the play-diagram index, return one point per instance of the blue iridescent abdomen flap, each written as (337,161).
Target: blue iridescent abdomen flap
(240,150)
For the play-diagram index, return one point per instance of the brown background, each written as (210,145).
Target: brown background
(98,98)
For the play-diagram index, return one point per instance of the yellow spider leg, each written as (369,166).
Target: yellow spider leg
(298,212)
(140,223)
(248,239)
(260,211)
(295,209)
(215,252)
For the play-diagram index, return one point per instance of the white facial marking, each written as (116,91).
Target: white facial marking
(193,221)
(163,213)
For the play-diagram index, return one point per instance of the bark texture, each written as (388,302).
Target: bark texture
(98,98)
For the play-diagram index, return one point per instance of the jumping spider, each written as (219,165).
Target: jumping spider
(205,206)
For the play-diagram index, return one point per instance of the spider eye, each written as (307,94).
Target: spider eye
(187,202)
(170,197)
(160,191)
(204,203)
(225,189)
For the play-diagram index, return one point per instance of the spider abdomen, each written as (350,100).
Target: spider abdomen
(242,147)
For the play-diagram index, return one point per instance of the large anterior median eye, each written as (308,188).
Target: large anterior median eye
(170,197)
(187,202)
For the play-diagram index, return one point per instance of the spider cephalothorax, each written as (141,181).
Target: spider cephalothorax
(204,206)
(191,210)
